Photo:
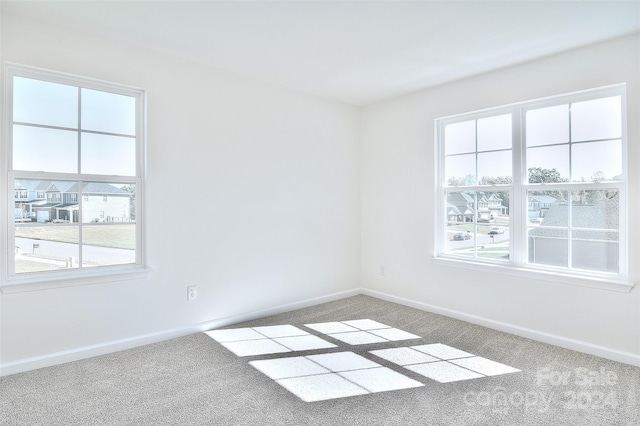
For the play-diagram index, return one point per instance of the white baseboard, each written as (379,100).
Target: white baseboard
(76,354)
(552,339)
(48,360)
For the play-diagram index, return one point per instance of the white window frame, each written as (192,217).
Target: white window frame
(517,264)
(11,282)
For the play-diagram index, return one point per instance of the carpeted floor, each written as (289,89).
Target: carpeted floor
(195,380)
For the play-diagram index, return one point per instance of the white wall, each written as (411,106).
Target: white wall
(252,194)
(398,210)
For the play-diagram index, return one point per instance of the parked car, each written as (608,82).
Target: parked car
(496,230)
(461,236)
(483,220)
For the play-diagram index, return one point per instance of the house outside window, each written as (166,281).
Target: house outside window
(70,135)
(540,186)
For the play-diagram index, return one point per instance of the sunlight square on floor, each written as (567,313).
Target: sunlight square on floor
(453,366)
(331,327)
(343,361)
(321,387)
(380,379)
(280,331)
(394,334)
(361,332)
(358,338)
(304,343)
(234,334)
(484,366)
(255,347)
(443,372)
(284,368)
(332,375)
(404,356)
(267,340)
(441,351)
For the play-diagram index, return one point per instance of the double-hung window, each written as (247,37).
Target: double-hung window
(69,142)
(539,186)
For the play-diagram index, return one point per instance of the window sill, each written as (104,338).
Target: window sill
(561,277)
(47,281)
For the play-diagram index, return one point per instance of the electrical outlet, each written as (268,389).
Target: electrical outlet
(192,292)
(383,272)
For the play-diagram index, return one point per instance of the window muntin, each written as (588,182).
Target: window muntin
(568,166)
(73,141)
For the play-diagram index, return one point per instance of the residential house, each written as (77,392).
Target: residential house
(539,205)
(44,201)
(461,207)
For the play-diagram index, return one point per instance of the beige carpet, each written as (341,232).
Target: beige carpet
(195,380)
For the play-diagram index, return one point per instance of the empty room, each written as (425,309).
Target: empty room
(320,212)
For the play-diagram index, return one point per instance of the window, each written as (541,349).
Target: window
(537,186)
(69,137)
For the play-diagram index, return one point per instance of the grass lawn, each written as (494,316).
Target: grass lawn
(103,235)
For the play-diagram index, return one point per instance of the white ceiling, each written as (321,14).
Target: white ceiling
(356,52)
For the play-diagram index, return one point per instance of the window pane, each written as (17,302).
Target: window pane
(494,167)
(596,161)
(45,247)
(44,150)
(494,133)
(460,170)
(28,195)
(548,246)
(597,119)
(541,203)
(595,251)
(108,202)
(598,209)
(108,244)
(108,155)
(460,232)
(461,206)
(546,126)
(109,238)
(108,112)
(460,138)
(45,103)
(548,242)
(493,225)
(550,164)
(493,242)
(478,224)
